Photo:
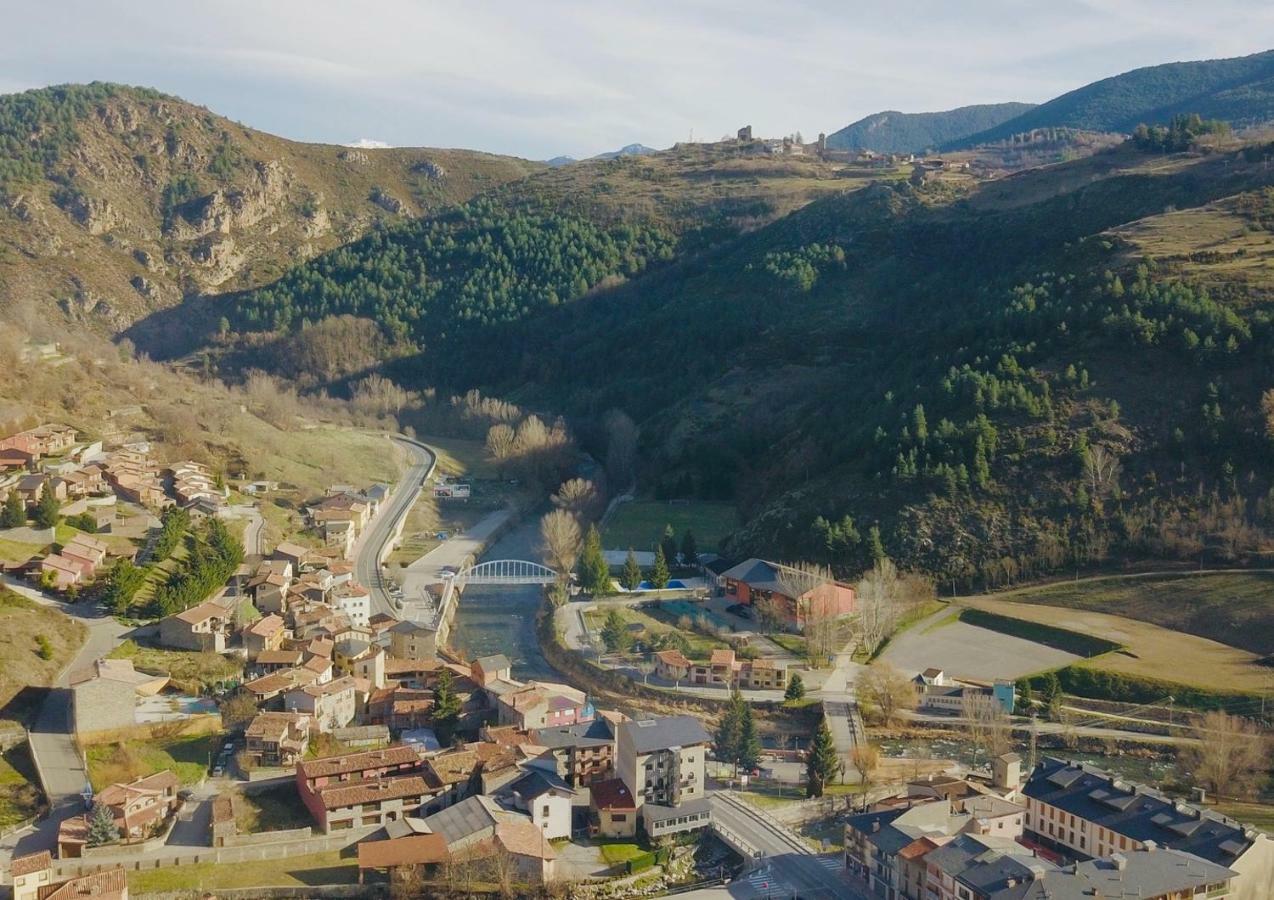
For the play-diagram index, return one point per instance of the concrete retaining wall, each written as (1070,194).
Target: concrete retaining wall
(292,835)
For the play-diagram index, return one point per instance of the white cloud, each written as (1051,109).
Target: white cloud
(369,144)
(585,76)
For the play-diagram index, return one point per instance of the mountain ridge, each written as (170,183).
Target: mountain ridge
(891,131)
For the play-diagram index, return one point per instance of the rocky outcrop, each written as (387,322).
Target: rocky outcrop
(97,216)
(386,201)
(356,157)
(220,259)
(222,211)
(430,170)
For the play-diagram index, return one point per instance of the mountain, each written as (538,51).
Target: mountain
(628,150)
(897,132)
(1059,367)
(559,161)
(1239,90)
(117,201)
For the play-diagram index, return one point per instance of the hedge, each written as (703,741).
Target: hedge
(1099,684)
(648,859)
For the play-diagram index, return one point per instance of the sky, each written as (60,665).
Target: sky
(577,77)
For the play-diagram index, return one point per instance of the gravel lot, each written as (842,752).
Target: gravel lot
(968,651)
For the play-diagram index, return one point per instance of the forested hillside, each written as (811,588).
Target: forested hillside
(118,201)
(897,132)
(986,381)
(1238,90)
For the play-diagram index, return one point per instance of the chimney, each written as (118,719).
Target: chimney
(875,826)
(1150,846)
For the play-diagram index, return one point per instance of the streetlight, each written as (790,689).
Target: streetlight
(87,794)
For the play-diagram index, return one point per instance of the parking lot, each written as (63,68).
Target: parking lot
(967,651)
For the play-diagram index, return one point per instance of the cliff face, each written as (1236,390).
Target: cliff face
(140,200)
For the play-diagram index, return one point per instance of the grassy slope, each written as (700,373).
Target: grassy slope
(1235,608)
(21,621)
(297,871)
(640,524)
(1151,651)
(185,755)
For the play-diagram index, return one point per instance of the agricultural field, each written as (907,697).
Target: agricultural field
(641,524)
(1149,651)
(1235,608)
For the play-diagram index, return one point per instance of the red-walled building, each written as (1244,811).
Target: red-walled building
(795,596)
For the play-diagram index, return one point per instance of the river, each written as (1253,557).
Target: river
(499,619)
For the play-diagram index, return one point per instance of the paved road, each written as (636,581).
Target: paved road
(371,543)
(793,867)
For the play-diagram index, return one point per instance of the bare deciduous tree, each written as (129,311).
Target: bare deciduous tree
(988,724)
(561,535)
(1101,472)
(865,758)
(580,497)
(500,443)
(884,693)
(1231,755)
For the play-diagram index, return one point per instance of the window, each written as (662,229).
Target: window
(619,817)
(545,811)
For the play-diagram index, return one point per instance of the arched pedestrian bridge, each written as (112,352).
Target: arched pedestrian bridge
(504,571)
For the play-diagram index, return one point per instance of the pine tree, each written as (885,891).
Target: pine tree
(46,510)
(822,764)
(795,688)
(14,512)
(594,573)
(749,740)
(689,548)
(631,578)
(727,737)
(101,826)
(669,545)
(446,710)
(659,574)
(875,545)
(615,633)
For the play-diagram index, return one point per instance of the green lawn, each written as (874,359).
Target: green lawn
(640,524)
(460,457)
(17,552)
(189,670)
(297,871)
(620,852)
(186,755)
(1258,815)
(792,643)
(701,646)
(20,799)
(274,809)
(1235,608)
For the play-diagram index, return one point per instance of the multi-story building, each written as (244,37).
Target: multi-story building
(661,761)
(543,704)
(792,597)
(278,738)
(584,753)
(1084,812)
(339,790)
(332,705)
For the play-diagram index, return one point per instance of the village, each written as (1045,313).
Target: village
(247,704)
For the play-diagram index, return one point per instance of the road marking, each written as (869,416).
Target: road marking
(832,863)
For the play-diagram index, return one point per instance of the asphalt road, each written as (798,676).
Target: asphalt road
(367,553)
(789,866)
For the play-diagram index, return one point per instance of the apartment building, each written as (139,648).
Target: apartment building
(661,761)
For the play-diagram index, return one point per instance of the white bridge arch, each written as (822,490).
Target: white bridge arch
(505,571)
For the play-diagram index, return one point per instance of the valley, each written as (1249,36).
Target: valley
(885,513)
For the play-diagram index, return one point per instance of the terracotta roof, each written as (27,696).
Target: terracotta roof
(201,613)
(25,865)
(524,839)
(279,658)
(316,664)
(917,848)
(266,626)
(672,657)
(271,723)
(722,657)
(356,762)
(158,783)
(612,794)
(339,796)
(412,850)
(109,884)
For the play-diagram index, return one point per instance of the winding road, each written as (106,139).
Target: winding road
(370,548)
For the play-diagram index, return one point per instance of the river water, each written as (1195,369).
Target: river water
(501,619)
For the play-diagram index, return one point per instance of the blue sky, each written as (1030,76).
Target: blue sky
(579,77)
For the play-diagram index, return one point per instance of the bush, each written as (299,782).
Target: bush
(45,648)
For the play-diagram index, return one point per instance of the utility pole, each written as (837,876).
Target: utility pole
(1034,742)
